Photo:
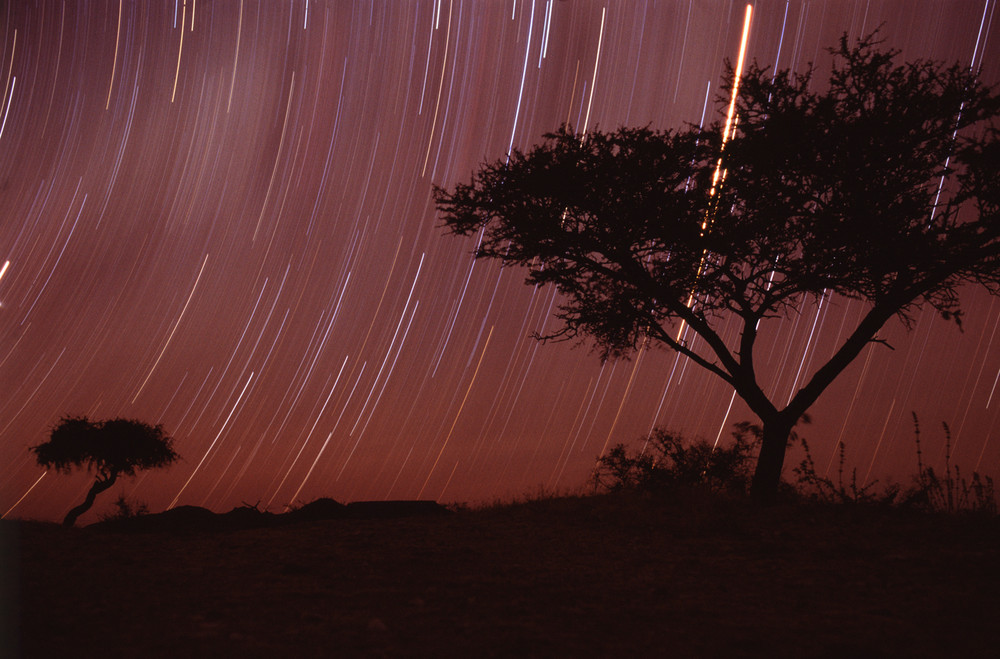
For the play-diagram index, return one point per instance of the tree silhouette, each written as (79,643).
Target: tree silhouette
(882,188)
(111,448)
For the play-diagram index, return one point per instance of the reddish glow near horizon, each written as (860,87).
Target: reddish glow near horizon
(218,217)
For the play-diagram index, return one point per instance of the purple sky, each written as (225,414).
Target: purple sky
(218,216)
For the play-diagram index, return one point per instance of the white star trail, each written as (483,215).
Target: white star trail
(219,217)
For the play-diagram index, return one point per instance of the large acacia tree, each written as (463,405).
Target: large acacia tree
(878,186)
(112,448)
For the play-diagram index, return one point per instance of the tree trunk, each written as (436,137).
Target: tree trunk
(98,487)
(767,476)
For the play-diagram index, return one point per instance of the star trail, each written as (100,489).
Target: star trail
(217,216)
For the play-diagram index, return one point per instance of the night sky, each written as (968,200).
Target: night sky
(217,215)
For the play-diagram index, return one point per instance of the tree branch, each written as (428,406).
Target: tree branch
(863,334)
(663,335)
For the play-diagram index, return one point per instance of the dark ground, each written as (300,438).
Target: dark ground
(577,577)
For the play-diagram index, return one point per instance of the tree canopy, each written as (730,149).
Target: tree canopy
(111,448)
(879,186)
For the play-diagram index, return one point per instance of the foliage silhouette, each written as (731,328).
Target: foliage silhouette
(125,509)
(952,492)
(880,189)
(822,488)
(668,461)
(111,448)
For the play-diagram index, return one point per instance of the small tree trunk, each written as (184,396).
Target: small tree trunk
(98,487)
(767,476)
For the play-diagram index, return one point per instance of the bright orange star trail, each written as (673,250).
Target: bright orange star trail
(218,217)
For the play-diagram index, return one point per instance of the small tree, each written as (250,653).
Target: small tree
(111,448)
(880,188)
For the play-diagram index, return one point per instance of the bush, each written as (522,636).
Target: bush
(125,510)
(666,460)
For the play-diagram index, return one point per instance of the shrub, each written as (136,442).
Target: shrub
(125,510)
(666,460)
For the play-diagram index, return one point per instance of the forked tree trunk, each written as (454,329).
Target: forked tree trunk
(98,487)
(767,476)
